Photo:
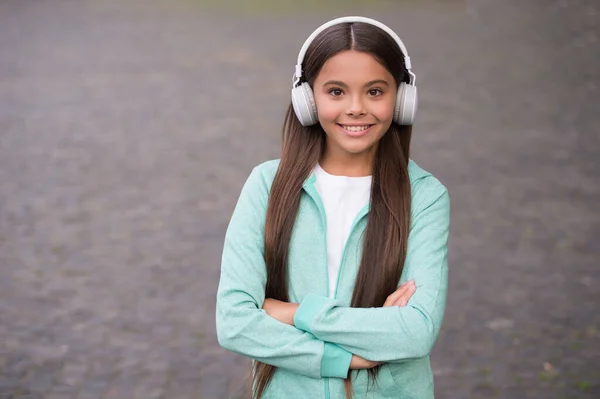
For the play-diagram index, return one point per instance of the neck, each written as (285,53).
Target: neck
(340,163)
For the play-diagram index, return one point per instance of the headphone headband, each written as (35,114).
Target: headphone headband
(337,21)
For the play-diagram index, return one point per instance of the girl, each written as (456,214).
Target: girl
(335,258)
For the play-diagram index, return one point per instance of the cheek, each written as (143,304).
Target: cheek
(384,110)
(327,110)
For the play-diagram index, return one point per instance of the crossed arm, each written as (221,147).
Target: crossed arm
(320,338)
(285,312)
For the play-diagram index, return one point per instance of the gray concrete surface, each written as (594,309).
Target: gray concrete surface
(128,127)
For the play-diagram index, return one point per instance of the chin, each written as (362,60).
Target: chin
(357,149)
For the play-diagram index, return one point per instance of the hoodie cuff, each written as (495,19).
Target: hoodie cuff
(335,362)
(306,312)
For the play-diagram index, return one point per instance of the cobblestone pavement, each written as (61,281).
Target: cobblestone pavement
(128,127)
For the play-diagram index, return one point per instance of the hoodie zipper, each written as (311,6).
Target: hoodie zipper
(363,212)
(312,192)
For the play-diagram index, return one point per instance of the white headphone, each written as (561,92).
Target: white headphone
(303,100)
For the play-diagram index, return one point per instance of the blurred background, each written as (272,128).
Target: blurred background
(127,129)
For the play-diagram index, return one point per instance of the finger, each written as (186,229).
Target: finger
(394,296)
(399,293)
(405,297)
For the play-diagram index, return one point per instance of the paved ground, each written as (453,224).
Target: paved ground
(128,127)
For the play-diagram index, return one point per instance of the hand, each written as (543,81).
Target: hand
(401,296)
(279,310)
(358,363)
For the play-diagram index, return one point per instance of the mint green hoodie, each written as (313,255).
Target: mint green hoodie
(313,358)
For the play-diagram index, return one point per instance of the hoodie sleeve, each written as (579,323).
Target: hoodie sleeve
(242,326)
(393,333)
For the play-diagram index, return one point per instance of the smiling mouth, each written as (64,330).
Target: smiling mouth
(355,128)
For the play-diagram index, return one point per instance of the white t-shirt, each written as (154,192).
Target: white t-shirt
(343,197)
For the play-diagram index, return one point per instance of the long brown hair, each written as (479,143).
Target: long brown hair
(388,223)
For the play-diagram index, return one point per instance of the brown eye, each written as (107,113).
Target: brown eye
(336,92)
(375,92)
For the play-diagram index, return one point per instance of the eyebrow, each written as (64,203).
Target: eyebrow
(342,84)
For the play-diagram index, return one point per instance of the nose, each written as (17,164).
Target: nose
(356,106)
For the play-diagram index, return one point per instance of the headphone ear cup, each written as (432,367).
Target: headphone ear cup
(304,105)
(406,104)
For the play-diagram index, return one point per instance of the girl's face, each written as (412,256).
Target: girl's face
(355,97)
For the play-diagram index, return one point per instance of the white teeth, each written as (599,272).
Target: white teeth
(355,128)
